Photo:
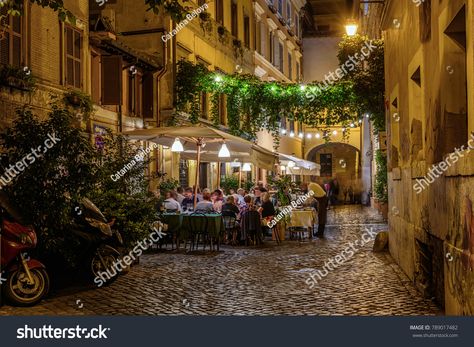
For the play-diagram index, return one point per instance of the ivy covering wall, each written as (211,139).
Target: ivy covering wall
(253,105)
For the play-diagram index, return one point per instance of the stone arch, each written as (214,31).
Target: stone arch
(341,161)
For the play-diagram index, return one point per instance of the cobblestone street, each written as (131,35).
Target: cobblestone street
(255,281)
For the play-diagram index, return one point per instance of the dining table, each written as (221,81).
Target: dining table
(304,218)
(182,225)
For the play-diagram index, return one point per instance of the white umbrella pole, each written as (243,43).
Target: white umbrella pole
(240,177)
(198,163)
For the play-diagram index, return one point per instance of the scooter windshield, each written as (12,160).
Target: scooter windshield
(92,211)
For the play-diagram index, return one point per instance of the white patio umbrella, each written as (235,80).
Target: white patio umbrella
(198,142)
(298,166)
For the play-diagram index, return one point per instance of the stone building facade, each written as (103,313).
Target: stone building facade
(125,57)
(37,42)
(429,66)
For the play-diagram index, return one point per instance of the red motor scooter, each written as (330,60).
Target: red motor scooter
(24,281)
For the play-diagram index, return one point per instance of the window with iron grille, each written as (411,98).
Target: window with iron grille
(11,39)
(73,57)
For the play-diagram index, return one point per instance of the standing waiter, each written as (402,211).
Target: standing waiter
(322,199)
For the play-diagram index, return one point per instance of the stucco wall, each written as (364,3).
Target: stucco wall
(320,57)
(430,231)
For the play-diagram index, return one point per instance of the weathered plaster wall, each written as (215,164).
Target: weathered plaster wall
(431,233)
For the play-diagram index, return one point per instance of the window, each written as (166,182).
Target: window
(290,67)
(263,39)
(280,7)
(221,108)
(234,19)
(288,11)
(271,46)
(247,31)
(283,122)
(148,84)
(280,56)
(133,94)
(11,43)
(220,11)
(73,57)
(297,25)
(183,173)
(276,52)
(204,113)
(298,73)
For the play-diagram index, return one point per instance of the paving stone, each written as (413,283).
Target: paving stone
(268,280)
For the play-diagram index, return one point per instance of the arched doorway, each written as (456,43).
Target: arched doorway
(339,161)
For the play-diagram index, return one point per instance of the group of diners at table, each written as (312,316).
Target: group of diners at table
(246,215)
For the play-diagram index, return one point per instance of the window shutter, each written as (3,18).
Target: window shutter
(147,95)
(111,80)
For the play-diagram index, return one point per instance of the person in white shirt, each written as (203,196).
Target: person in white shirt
(240,197)
(170,202)
(179,195)
(205,205)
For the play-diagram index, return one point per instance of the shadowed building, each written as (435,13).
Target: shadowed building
(429,112)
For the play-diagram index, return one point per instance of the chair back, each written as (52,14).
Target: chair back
(251,221)
(229,222)
(198,223)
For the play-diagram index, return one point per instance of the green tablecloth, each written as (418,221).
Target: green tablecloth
(184,224)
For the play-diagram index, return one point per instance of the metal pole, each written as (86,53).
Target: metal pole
(198,162)
(240,176)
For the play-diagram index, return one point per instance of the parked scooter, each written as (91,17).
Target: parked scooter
(99,242)
(24,281)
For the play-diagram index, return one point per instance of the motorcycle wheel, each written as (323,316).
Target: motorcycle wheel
(105,270)
(19,292)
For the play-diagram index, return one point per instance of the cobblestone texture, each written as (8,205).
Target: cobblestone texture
(269,280)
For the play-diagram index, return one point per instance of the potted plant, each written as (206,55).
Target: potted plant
(205,22)
(238,49)
(79,100)
(230,182)
(17,78)
(380,187)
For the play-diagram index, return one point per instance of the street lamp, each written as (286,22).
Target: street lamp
(246,167)
(351,27)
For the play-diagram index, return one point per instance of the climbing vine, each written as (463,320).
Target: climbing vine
(368,78)
(253,105)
